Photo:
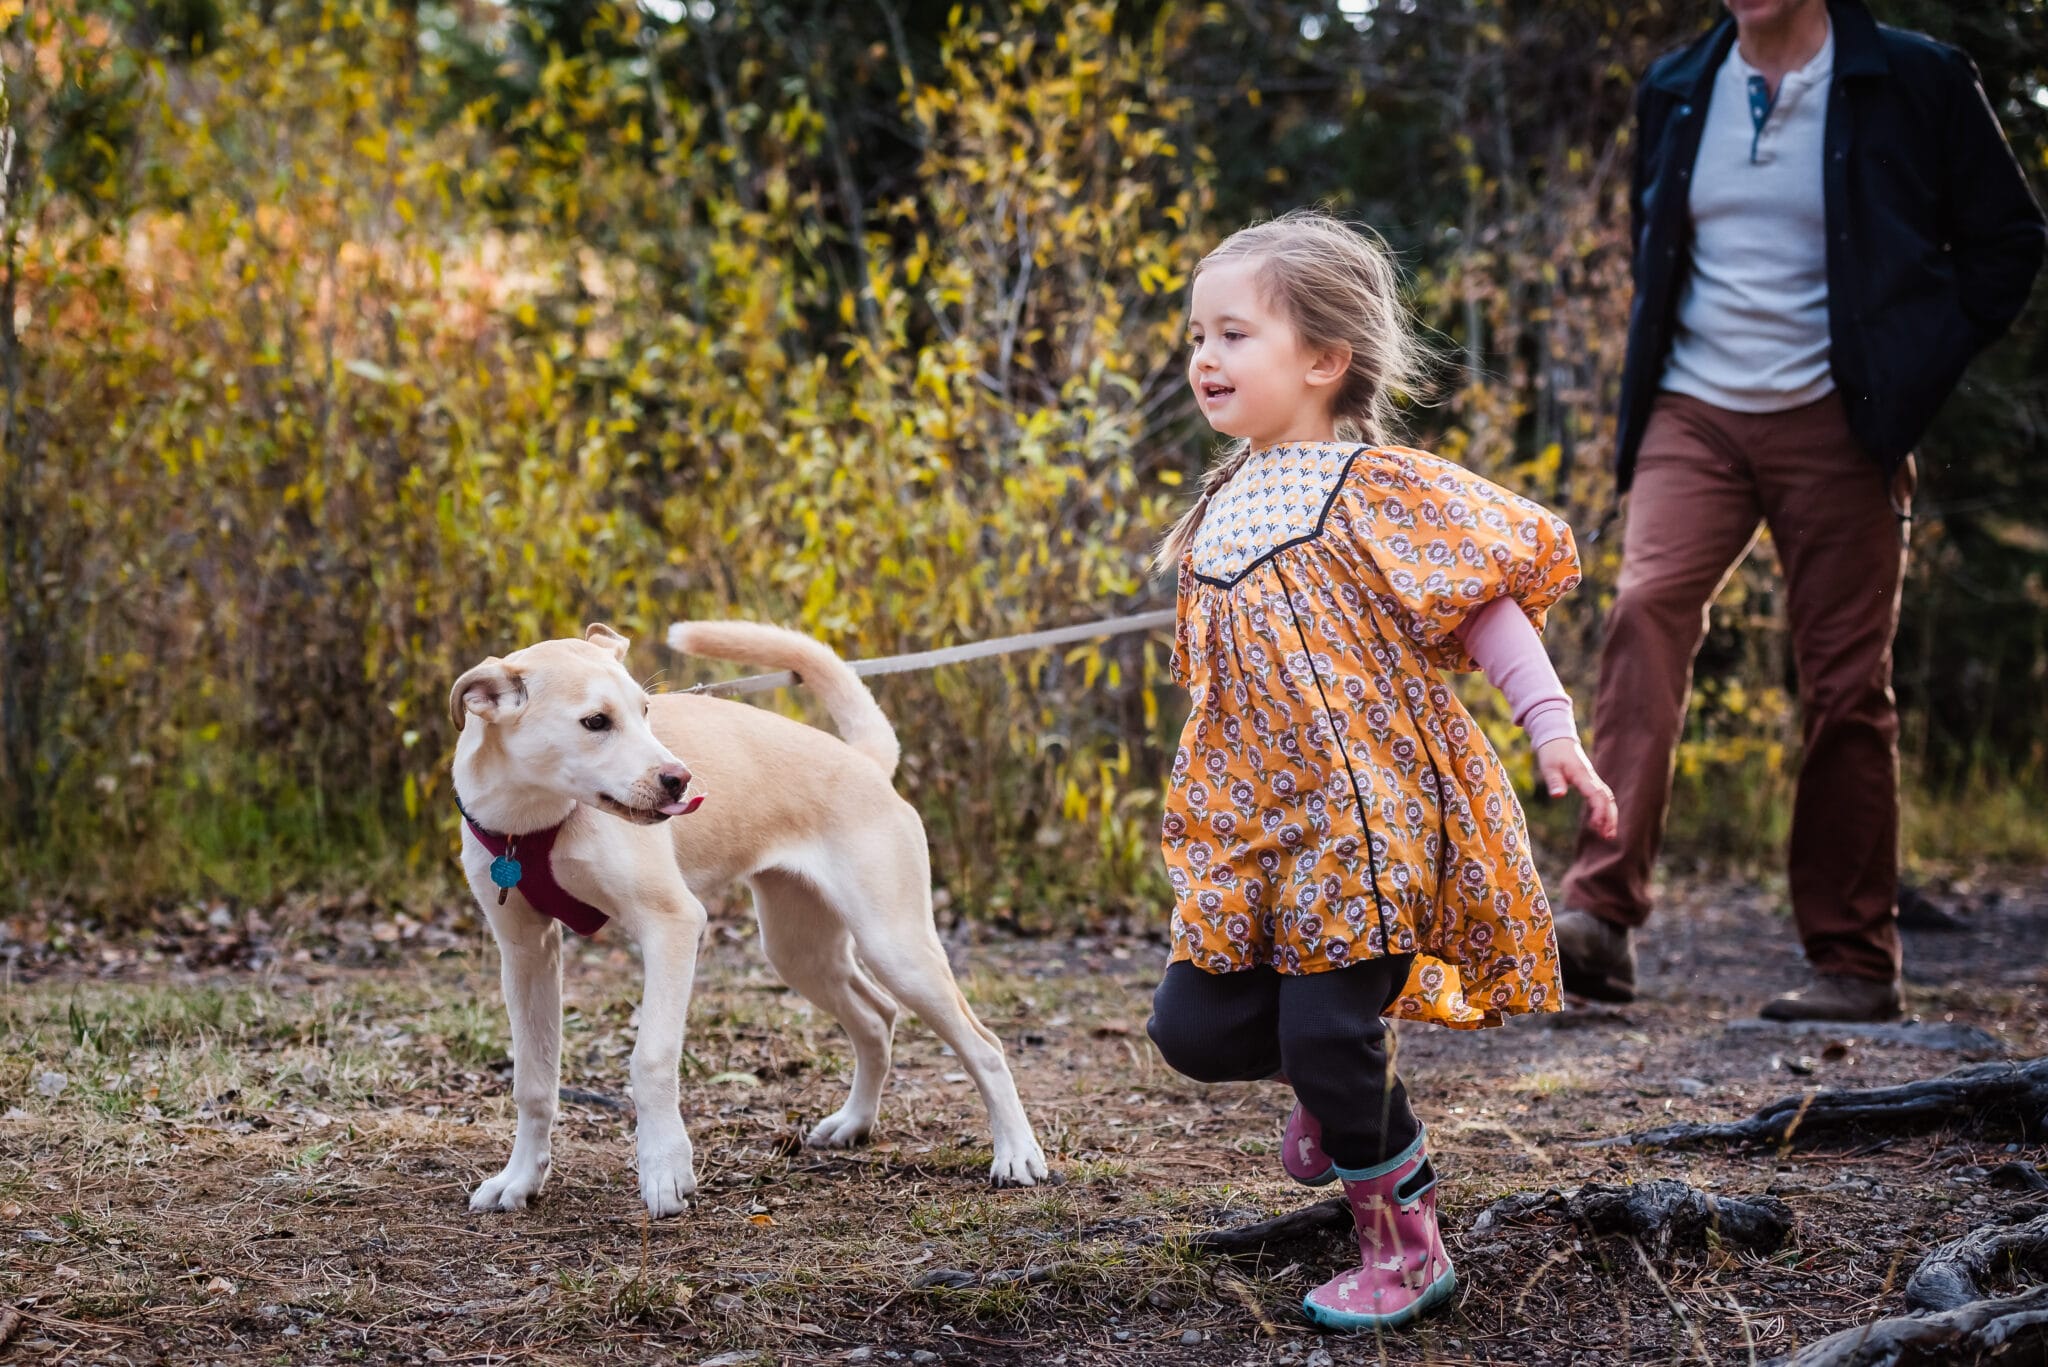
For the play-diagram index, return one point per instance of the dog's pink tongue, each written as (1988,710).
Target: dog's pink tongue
(683,808)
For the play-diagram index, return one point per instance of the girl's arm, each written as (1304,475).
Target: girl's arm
(1510,652)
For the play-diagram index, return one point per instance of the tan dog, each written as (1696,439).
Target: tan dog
(559,734)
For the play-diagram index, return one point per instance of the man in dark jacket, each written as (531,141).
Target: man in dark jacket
(1828,224)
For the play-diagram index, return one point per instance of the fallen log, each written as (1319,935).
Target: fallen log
(1236,1240)
(1986,1097)
(1954,1274)
(1231,1241)
(1661,1213)
(2011,1330)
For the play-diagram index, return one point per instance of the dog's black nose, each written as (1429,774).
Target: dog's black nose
(674,778)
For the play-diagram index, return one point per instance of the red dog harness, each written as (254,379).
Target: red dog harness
(525,861)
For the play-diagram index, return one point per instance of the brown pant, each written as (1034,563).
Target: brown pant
(1705,479)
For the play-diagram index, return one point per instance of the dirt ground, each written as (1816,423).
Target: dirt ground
(239,1142)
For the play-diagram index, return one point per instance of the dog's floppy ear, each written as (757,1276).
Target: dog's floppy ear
(598,634)
(493,691)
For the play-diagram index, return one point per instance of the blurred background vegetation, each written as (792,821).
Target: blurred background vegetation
(344,342)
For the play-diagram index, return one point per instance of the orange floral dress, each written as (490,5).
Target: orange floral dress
(1332,800)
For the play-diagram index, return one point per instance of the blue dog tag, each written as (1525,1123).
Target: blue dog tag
(505,871)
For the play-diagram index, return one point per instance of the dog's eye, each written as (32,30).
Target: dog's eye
(598,721)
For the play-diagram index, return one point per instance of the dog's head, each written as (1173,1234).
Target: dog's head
(570,719)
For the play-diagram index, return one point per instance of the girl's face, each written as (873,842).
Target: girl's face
(1251,373)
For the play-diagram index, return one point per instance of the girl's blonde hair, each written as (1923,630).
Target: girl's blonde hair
(1338,286)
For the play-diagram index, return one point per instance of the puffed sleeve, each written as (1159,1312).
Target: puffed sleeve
(1448,543)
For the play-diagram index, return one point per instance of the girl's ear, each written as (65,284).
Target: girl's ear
(1331,365)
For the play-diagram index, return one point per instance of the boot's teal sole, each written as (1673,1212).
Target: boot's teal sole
(1329,1175)
(1439,1291)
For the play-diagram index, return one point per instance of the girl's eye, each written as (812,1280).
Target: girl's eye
(597,722)
(1233,336)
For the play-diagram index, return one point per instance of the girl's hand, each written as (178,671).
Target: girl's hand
(1564,765)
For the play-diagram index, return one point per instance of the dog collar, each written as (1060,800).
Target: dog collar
(526,861)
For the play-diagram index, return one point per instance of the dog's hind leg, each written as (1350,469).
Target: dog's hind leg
(668,951)
(808,943)
(886,903)
(530,958)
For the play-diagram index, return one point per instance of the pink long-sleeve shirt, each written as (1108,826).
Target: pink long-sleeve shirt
(1511,655)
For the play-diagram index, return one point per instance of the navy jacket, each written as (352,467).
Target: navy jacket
(1933,236)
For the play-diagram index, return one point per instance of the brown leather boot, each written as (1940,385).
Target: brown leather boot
(1833,997)
(1597,957)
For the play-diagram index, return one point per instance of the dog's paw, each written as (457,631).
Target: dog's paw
(840,1130)
(510,1189)
(1023,1166)
(667,1181)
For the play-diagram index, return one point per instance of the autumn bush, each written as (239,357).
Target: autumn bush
(345,342)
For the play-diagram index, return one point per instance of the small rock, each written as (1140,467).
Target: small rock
(861,1355)
(733,1359)
(290,1331)
(50,1084)
(1191,1337)
(1691,1086)
(924,1355)
(1320,1357)
(1122,1336)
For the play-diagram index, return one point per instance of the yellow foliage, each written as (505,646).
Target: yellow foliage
(369,433)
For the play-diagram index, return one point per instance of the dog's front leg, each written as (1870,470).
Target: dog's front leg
(530,954)
(668,949)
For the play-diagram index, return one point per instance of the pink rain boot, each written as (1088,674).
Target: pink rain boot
(1301,1150)
(1404,1270)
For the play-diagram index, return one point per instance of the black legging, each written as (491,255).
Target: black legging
(1323,1030)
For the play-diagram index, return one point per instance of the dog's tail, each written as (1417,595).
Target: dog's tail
(854,711)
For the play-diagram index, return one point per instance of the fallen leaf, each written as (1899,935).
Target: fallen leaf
(738,1079)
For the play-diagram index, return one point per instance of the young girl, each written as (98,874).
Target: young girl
(1342,842)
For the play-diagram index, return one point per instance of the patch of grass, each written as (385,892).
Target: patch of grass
(1981,822)
(1546,1083)
(473,1031)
